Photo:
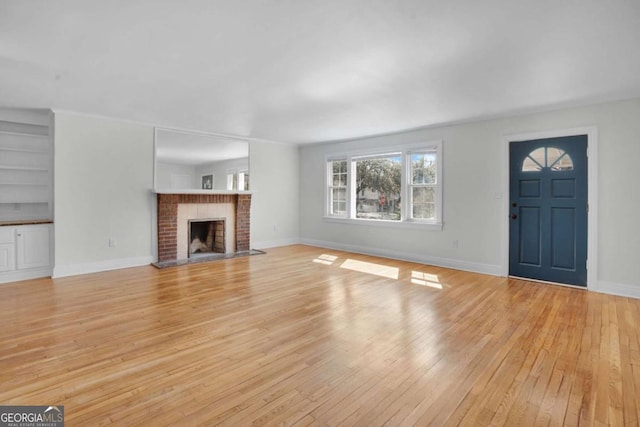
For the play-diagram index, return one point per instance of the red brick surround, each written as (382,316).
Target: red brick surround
(168,219)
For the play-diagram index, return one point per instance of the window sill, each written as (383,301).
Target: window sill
(433,226)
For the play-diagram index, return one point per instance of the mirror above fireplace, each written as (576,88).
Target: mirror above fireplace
(197,161)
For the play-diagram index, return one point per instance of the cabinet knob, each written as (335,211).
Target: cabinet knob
(19,234)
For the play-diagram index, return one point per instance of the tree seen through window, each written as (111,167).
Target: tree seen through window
(378,188)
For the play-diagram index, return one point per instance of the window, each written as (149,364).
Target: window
(237,180)
(243,180)
(398,186)
(230,181)
(547,157)
(423,184)
(337,187)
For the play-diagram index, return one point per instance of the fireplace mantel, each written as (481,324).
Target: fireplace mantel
(188,191)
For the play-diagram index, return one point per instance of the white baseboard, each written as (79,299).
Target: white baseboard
(620,289)
(475,267)
(18,275)
(275,243)
(95,267)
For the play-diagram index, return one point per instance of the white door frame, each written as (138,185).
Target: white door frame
(592,182)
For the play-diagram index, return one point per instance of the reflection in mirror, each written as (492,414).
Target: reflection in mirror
(192,161)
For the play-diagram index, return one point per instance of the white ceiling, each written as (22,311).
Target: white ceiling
(315,70)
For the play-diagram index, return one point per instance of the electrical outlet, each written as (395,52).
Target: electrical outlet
(456,243)
(112,242)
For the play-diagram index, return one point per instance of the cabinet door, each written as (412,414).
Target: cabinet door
(33,244)
(7,260)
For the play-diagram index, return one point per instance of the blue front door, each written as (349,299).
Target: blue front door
(548,209)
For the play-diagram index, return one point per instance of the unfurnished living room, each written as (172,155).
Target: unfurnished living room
(319,213)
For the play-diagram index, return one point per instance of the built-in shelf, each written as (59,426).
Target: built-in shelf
(23,201)
(24,168)
(23,150)
(26,134)
(30,221)
(24,184)
(26,172)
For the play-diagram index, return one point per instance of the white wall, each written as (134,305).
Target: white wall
(103,189)
(275,204)
(164,171)
(103,181)
(474,157)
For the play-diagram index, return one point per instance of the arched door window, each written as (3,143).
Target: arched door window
(551,158)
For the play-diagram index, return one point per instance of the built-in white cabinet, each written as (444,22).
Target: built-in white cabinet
(33,246)
(7,257)
(25,252)
(7,249)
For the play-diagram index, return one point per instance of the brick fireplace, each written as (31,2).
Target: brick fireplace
(175,210)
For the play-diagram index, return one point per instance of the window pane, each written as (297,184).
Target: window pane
(241,185)
(564,163)
(246,181)
(378,187)
(529,165)
(547,157)
(339,208)
(539,156)
(423,203)
(553,154)
(423,168)
(338,201)
(339,172)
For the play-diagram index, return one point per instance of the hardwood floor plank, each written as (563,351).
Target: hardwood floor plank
(311,337)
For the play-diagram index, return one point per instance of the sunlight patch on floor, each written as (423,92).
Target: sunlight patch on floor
(425,279)
(325,259)
(371,268)
(417,277)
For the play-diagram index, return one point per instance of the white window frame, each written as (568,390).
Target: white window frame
(406,209)
(329,187)
(231,175)
(437,186)
(242,174)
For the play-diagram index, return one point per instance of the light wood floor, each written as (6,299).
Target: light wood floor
(307,336)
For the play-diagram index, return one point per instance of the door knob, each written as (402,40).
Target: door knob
(514,216)
(514,204)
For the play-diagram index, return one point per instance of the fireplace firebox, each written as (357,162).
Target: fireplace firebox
(206,236)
